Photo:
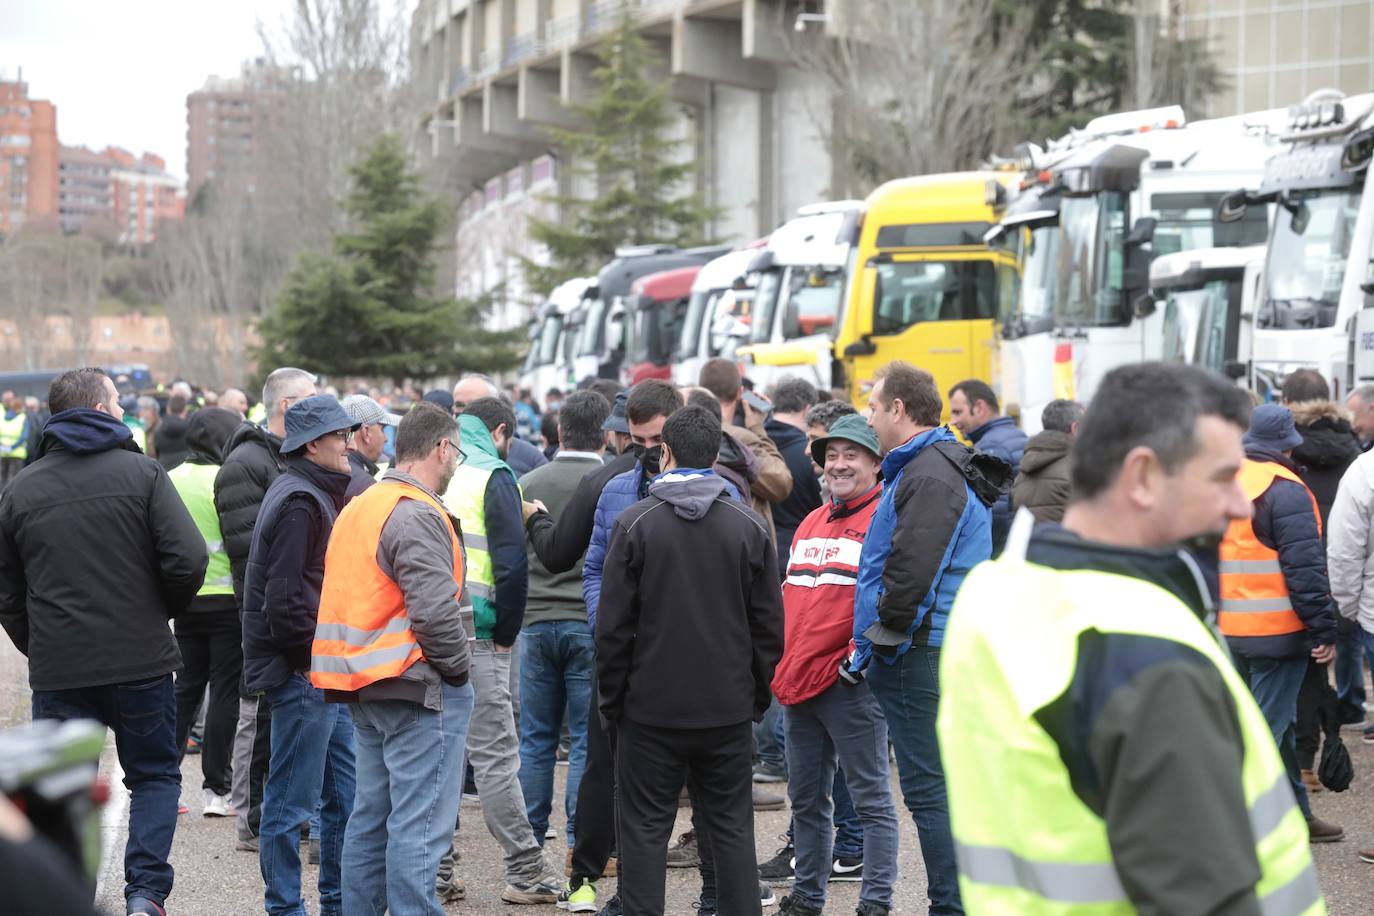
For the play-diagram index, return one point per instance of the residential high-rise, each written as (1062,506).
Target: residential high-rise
(85,190)
(223,121)
(28,157)
(132,194)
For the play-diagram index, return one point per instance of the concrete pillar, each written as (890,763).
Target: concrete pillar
(712,49)
(538,99)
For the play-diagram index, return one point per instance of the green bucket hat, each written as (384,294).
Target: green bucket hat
(853,428)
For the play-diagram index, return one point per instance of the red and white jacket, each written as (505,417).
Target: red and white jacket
(818,596)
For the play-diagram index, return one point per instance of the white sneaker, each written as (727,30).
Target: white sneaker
(551,833)
(216,805)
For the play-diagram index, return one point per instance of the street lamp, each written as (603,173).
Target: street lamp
(802,19)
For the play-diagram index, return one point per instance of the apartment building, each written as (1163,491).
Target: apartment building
(496,74)
(223,120)
(131,194)
(28,157)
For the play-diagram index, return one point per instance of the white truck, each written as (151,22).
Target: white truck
(722,296)
(801,285)
(549,362)
(1126,189)
(1316,305)
(1209,297)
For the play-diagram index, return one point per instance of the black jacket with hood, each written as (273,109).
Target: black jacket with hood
(1329,445)
(676,647)
(252,460)
(97,552)
(806,486)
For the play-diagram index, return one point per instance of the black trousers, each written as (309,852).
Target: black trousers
(211,654)
(594,830)
(718,765)
(1314,689)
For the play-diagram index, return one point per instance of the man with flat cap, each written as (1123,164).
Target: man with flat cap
(312,741)
(369,441)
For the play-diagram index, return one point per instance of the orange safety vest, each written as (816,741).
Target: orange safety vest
(363,634)
(1254,595)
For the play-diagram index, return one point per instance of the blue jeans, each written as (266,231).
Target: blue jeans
(849,830)
(1349,665)
(1275,683)
(556,661)
(142,715)
(312,760)
(769,739)
(908,690)
(841,725)
(410,765)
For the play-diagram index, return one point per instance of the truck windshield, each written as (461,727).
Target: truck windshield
(1187,220)
(656,329)
(548,340)
(810,302)
(1089,263)
(701,304)
(593,320)
(1040,255)
(1307,257)
(1197,324)
(765,303)
(913,292)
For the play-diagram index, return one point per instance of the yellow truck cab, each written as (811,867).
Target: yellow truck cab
(924,287)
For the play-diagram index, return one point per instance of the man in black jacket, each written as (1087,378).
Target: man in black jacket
(369,442)
(312,741)
(660,626)
(97,553)
(252,460)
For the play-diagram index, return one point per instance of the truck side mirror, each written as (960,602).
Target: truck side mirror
(1231,208)
(1142,232)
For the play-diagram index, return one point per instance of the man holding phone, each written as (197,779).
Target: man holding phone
(721,377)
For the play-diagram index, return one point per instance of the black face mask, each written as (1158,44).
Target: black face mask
(649,458)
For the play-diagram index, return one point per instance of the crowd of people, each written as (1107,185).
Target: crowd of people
(381,603)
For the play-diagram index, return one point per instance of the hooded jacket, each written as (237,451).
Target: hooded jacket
(1329,446)
(805,496)
(97,552)
(676,648)
(933,525)
(207,433)
(252,460)
(505,531)
(1044,483)
(1283,522)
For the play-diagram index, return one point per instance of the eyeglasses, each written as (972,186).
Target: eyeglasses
(346,435)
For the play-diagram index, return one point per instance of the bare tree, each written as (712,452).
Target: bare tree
(917,86)
(83,269)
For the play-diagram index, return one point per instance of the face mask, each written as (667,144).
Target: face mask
(649,458)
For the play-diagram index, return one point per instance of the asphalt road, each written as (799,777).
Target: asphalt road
(212,879)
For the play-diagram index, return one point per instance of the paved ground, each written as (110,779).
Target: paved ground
(214,880)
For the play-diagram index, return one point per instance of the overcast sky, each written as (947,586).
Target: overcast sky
(119,71)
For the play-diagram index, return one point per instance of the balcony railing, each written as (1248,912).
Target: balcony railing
(488,62)
(459,82)
(561,32)
(521,47)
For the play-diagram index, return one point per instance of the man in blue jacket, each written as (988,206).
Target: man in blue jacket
(932,526)
(974,411)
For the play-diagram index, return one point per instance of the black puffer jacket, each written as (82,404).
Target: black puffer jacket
(1329,445)
(252,461)
(1283,521)
(97,551)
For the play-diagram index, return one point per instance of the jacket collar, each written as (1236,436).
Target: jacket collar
(403,477)
(854,504)
(1256,453)
(332,483)
(363,463)
(989,426)
(901,456)
(1171,568)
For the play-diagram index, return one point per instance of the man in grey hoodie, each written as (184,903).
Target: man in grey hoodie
(684,663)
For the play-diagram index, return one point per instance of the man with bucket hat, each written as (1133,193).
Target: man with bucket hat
(1276,609)
(312,742)
(829,723)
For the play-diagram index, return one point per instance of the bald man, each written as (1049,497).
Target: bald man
(523,456)
(233,399)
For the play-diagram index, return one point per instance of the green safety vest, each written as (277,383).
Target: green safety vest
(466,498)
(1026,843)
(14,443)
(195,484)
(140,435)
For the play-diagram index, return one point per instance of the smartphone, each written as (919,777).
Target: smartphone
(757,402)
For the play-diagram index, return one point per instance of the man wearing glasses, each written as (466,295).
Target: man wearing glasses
(312,742)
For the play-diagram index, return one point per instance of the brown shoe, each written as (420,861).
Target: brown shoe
(1366,855)
(767,801)
(1310,780)
(684,854)
(1319,831)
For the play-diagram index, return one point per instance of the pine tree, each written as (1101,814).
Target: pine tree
(626,148)
(369,307)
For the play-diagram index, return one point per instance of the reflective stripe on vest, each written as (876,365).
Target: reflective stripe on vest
(13,442)
(466,498)
(363,632)
(1254,593)
(1026,843)
(195,484)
